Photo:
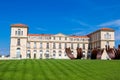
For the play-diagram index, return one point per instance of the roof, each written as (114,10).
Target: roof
(19,25)
(39,34)
(106,29)
(52,35)
(102,29)
(79,36)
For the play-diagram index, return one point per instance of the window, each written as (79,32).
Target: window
(18,53)
(41,53)
(74,39)
(54,47)
(83,46)
(107,43)
(59,54)
(15,32)
(71,45)
(107,36)
(19,31)
(65,45)
(59,38)
(78,45)
(54,53)
(54,38)
(40,37)
(28,54)
(65,38)
(18,42)
(41,45)
(71,39)
(47,45)
(59,45)
(28,45)
(65,54)
(35,51)
(35,45)
(47,54)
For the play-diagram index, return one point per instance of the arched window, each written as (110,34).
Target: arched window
(60,53)
(47,53)
(65,54)
(18,54)
(54,53)
(34,53)
(41,51)
(28,54)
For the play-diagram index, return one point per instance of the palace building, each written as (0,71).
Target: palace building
(48,46)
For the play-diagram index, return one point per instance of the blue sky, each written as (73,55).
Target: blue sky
(77,17)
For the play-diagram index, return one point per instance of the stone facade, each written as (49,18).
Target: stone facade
(46,46)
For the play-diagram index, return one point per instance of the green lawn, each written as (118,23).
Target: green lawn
(59,70)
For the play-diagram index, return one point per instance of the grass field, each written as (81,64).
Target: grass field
(59,70)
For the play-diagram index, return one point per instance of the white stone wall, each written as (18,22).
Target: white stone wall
(97,39)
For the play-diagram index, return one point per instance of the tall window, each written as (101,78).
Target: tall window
(18,42)
(49,37)
(47,54)
(15,32)
(47,45)
(35,45)
(71,45)
(41,53)
(60,53)
(65,45)
(59,45)
(28,54)
(28,45)
(19,31)
(59,38)
(78,45)
(40,44)
(83,46)
(65,38)
(54,47)
(54,38)
(54,53)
